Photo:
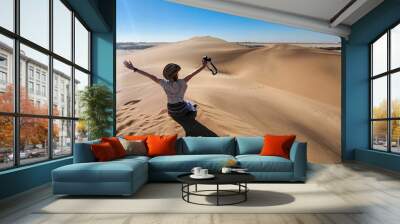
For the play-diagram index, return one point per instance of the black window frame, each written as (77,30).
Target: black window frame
(388,74)
(16,114)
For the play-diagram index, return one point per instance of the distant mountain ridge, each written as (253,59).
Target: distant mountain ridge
(143,45)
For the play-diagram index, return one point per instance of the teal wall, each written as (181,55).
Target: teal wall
(99,16)
(102,58)
(380,159)
(355,85)
(24,178)
(103,64)
(103,53)
(355,91)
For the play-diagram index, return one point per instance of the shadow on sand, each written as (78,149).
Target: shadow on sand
(192,127)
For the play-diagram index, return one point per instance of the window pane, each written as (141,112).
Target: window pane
(395,94)
(62,89)
(62,29)
(379,97)
(62,138)
(379,55)
(33,139)
(395,136)
(7,14)
(379,135)
(395,47)
(6,74)
(81,81)
(6,142)
(81,131)
(35,21)
(34,72)
(81,45)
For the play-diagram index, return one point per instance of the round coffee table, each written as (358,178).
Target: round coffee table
(238,179)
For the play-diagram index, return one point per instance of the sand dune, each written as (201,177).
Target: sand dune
(277,89)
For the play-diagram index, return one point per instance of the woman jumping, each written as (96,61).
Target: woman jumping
(174,87)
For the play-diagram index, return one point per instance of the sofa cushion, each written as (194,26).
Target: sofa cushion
(116,145)
(207,145)
(112,171)
(103,152)
(185,163)
(249,145)
(134,147)
(277,145)
(257,163)
(161,145)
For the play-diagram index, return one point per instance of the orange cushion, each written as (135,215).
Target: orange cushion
(116,145)
(277,145)
(161,145)
(103,152)
(135,137)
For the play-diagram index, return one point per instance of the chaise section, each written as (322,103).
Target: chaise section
(167,168)
(119,177)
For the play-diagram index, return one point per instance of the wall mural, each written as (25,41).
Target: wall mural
(271,78)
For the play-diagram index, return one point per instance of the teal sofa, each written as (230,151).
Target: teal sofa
(125,176)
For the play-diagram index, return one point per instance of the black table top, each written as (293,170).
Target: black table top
(220,178)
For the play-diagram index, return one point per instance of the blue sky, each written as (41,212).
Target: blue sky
(158,20)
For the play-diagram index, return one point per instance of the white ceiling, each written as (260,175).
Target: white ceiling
(315,15)
(322,9)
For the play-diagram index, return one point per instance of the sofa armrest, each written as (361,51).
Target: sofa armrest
(83,152)
(298,155)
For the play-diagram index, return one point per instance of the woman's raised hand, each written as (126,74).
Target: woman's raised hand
(130,66)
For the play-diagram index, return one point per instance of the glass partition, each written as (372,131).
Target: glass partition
(37,92)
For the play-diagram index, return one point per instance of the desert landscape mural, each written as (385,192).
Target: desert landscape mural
(274,88)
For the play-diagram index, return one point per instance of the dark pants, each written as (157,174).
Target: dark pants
(191,126)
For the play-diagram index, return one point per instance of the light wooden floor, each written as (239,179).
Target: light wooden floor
(379,189)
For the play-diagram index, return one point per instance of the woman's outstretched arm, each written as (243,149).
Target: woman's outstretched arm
(130,66)
(187,78)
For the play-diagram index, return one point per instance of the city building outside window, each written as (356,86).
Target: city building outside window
(30,87)
(30,72)
(3,71)
(37,74)
(3,61)
(43,90)
(37,89)
(44,77)
(3,78)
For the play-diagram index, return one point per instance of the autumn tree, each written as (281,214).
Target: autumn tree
(6,122)
(81,129)
(380,127)
(33,131)
(395,123)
